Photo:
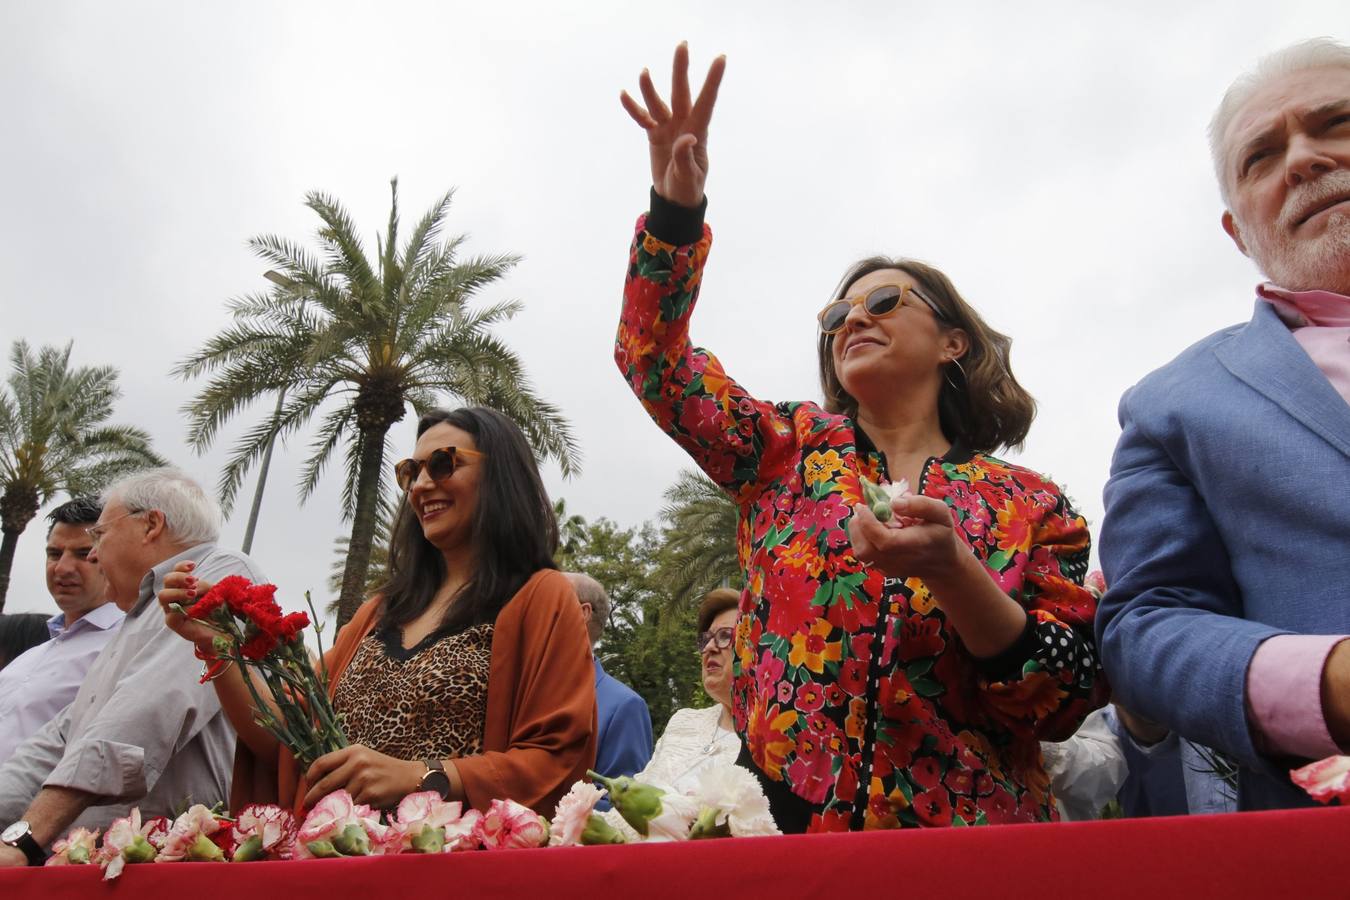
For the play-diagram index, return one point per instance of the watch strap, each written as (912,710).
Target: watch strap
(30,848)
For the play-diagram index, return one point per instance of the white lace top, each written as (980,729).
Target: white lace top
(693,740)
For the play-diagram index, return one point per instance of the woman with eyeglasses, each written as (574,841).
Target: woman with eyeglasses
(469,672)
(695,739)
(887,674)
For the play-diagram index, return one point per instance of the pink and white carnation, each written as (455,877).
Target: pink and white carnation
(338,826)
(424,824)
(736,799)
(676,818)
(128,840)
(77,848)
(190,838)
(509,826)
(463,833)
(1325,780)
(573,812)
(264,831)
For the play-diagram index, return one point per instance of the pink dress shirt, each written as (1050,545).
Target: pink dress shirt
(1284,680)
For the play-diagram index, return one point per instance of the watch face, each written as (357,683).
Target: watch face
(15,831)
(437,781)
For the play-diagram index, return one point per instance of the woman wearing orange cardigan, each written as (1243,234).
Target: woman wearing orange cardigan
(470,673)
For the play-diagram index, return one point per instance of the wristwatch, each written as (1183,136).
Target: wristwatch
(20,837)
(435,778)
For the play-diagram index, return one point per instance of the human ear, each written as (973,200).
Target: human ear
(955,343)
(1230,225)
(155,525)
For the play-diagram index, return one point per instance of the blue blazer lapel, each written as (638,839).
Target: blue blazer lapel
(1265,355)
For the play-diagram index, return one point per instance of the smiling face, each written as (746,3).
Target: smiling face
(717,663)
(908,347)
(1286,164)
(446,508)
(76,584)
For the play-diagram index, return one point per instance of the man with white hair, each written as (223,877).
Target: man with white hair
(1226,541)
(141,731)
(624,725)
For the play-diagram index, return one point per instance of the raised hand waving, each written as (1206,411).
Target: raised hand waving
(677,135)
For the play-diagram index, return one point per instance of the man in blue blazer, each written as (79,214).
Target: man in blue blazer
(1226,542)
(624,742)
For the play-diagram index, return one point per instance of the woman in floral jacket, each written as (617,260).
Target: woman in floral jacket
(884,676)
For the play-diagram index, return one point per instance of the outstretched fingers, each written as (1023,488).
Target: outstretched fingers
(679,82)
(702,112)
(656,107)
(636,111)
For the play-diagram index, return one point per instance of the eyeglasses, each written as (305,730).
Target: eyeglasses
(879,301)
(720,638)
(440,465)
(97,532)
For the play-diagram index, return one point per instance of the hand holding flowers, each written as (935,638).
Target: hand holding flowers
(371,777)
(246,626)
(903,534)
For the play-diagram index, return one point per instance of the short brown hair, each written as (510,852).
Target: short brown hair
(716,602)
(980,406)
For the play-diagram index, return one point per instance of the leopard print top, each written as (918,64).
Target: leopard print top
(426,701)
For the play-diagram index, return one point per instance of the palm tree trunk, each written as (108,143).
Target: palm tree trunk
(18,505)
(252,526)
(7,546)
(363,523)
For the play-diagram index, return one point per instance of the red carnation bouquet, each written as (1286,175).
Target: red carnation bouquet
(253,631)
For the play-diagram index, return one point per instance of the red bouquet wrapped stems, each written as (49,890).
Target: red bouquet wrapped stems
(253,631)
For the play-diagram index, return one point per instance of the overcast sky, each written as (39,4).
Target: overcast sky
(1051,158)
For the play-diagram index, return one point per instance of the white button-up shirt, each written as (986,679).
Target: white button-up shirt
(42,681)
(141,730)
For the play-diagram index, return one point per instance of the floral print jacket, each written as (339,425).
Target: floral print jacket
(850,686)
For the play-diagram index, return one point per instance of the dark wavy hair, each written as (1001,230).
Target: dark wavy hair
(981,406)
(513,526)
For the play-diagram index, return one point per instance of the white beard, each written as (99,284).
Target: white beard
(1305,264)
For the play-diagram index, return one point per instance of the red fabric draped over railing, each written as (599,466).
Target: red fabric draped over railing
(1298,853)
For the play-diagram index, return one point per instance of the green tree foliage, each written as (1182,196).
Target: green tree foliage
(53,438)
(355,341)
(655,578)
(648,643)
(699,539)
(378,572)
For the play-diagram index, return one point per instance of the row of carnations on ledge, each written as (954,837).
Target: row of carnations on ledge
(727,802)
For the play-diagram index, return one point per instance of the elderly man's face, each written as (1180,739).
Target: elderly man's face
(123,550)
(1287,168)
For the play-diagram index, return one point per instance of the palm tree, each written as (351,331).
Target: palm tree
(571,532)
(378,571)
(52,438)
(375,336)
(700,538)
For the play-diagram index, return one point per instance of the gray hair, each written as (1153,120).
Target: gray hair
(191,516)
(1315,53)
(591,591)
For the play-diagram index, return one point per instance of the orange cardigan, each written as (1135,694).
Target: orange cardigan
(540,730)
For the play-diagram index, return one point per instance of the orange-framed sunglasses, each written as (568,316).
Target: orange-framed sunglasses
(440,465)
(880,301)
